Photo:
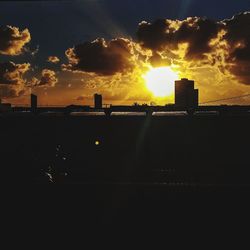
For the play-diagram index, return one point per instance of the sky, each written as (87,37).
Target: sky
(65,51)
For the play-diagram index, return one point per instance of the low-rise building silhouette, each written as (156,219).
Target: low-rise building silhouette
(5,107)
(98,101)
(186,96)
(33,103)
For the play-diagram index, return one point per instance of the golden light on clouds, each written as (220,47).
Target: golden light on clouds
(160,81)
(215,54)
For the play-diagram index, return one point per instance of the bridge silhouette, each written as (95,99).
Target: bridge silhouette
(226,99)
(109,105)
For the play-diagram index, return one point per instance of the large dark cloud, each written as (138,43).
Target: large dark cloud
(165,34)
(101,57)
(202,37)
(12,82)
(13,40)
(238,38)
(191,43)
(154,35)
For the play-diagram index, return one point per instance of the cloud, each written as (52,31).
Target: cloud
(48,79)
(53,59)
(13,40)
(101,57)
(166,35)
(80,98)
(238,39)
(10,91)
(157,60)
(196,42)
(209,51)
(12,82)
(11,73)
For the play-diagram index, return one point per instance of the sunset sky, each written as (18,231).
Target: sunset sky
(65,51)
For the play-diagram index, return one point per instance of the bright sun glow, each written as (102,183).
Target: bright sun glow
(160,81)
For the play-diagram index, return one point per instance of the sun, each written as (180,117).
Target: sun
(160,81)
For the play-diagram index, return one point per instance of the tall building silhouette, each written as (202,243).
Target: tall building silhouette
(98,101)
(186,96)
(33,103)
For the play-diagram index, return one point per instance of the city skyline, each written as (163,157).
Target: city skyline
(67,60)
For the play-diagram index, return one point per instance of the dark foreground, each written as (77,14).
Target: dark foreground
(144,169)
(175,151)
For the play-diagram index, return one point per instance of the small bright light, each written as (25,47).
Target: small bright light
(97,143)
(160,81)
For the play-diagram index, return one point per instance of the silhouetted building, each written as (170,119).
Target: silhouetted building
(5,107)
(185,94)
(33,103)
(98,101)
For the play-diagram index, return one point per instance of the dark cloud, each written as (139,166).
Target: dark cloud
(9,91)
(197,32)
(166,35)
(192,42)
(11,73)
(13,40)
(224,43)
(101,57)
(12,82)
(238,38)
(48,79)
(154,35)
(156,60)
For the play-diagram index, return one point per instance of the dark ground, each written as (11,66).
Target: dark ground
(175,150)
(145,169)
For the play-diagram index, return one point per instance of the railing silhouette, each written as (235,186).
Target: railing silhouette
(226,99)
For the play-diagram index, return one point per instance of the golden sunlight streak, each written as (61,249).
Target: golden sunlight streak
(160,81)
